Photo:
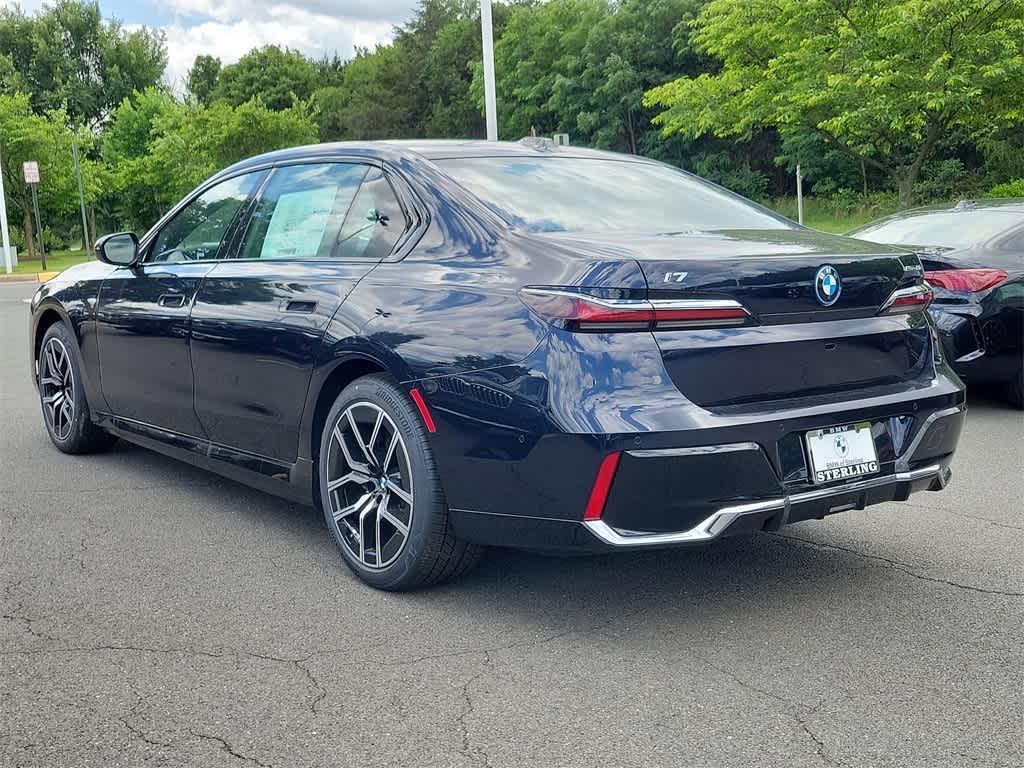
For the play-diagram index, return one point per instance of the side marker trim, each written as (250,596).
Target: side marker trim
(421,405)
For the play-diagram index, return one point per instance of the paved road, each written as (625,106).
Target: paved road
(154,614)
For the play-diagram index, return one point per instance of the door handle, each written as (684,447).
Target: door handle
(305,307)
(171,300)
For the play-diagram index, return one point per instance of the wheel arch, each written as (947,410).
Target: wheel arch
(46,317)
(343,371)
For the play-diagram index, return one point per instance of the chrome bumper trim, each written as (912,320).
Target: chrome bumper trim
(713,526)
(697,450)
(903,462)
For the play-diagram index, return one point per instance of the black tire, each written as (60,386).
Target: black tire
(1015,389)
(72,430)
(430,552)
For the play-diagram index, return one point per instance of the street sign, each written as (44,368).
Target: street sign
(31,169)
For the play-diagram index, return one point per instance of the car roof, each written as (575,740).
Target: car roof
(429,149)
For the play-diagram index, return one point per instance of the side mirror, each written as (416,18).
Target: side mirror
(121,250)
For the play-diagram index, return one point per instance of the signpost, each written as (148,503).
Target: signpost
(31,170)
(3,224)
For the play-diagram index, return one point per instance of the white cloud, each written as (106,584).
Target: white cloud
(231,28)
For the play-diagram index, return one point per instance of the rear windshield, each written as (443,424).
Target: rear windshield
(584,195)
(946,229)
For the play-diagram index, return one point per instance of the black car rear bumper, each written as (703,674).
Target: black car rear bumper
(678,496)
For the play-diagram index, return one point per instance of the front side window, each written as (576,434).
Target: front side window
(572,194)
(198,231)
(301,212)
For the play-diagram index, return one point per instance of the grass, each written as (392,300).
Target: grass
(55,262)
(825,215)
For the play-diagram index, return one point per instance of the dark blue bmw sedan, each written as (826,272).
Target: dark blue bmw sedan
(447,345)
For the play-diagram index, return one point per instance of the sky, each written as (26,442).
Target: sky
(228,29)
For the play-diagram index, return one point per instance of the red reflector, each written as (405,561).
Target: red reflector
(602,485)
(421,404)
(913,300)
(966,280)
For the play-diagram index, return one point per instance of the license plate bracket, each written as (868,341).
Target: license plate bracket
(841,453)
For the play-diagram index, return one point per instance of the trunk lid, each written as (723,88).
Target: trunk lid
(795,347)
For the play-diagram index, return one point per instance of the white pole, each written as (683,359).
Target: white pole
(799,195)
(3,224)
(490,105)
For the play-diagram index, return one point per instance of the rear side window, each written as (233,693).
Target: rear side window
(375,222)
(197,232)
(302,211)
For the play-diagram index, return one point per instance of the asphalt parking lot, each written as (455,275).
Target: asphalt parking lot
(154,614)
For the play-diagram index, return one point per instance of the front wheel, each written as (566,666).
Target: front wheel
(381,494)
(62,396)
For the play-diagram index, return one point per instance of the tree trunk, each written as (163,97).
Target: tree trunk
(864,176)
(30,235)
(905,186)
(92,225)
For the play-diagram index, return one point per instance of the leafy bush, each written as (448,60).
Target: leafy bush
(721,169)
(1009,189)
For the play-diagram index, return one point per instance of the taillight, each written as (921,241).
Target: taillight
(582,312)
(908,300)
(966,280)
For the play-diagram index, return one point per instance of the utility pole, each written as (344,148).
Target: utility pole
(3,224)
(799,195)
(86,245)
(490,104)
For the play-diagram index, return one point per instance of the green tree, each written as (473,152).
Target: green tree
(277,77)
(202,78)
(539,45)
(45,139)
(373,100)
(642,44)
(885,81)
(69,58)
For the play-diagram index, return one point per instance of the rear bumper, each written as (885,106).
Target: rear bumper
(774,513)
(690,495)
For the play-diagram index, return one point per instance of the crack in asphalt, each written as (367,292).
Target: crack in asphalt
(226,746)
(898,566)
(477,754)
(17,613)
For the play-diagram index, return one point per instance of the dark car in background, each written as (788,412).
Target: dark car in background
(973,256)
(447,345)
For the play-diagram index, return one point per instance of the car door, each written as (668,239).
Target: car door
(315,231)
(143,311)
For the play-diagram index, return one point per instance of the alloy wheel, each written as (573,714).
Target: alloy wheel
(57,385)
(369,485)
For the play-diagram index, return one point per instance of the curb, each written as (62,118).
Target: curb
(38,277)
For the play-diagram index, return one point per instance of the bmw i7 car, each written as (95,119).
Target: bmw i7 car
(973,254)
(448,345)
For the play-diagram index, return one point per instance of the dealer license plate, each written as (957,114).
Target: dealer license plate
(842,453)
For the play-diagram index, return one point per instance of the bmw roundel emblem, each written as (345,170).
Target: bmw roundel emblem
(827,285)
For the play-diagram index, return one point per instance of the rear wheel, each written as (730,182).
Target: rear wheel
(65,410)
(380,492)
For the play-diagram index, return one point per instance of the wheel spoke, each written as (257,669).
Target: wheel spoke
(376,541)
(49,381)
(355,476)
(349,459)
(362,531)
(54,399)
(351,509)
(359,438)
(391,453)
(376,431)
(399,491)
(401,527)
